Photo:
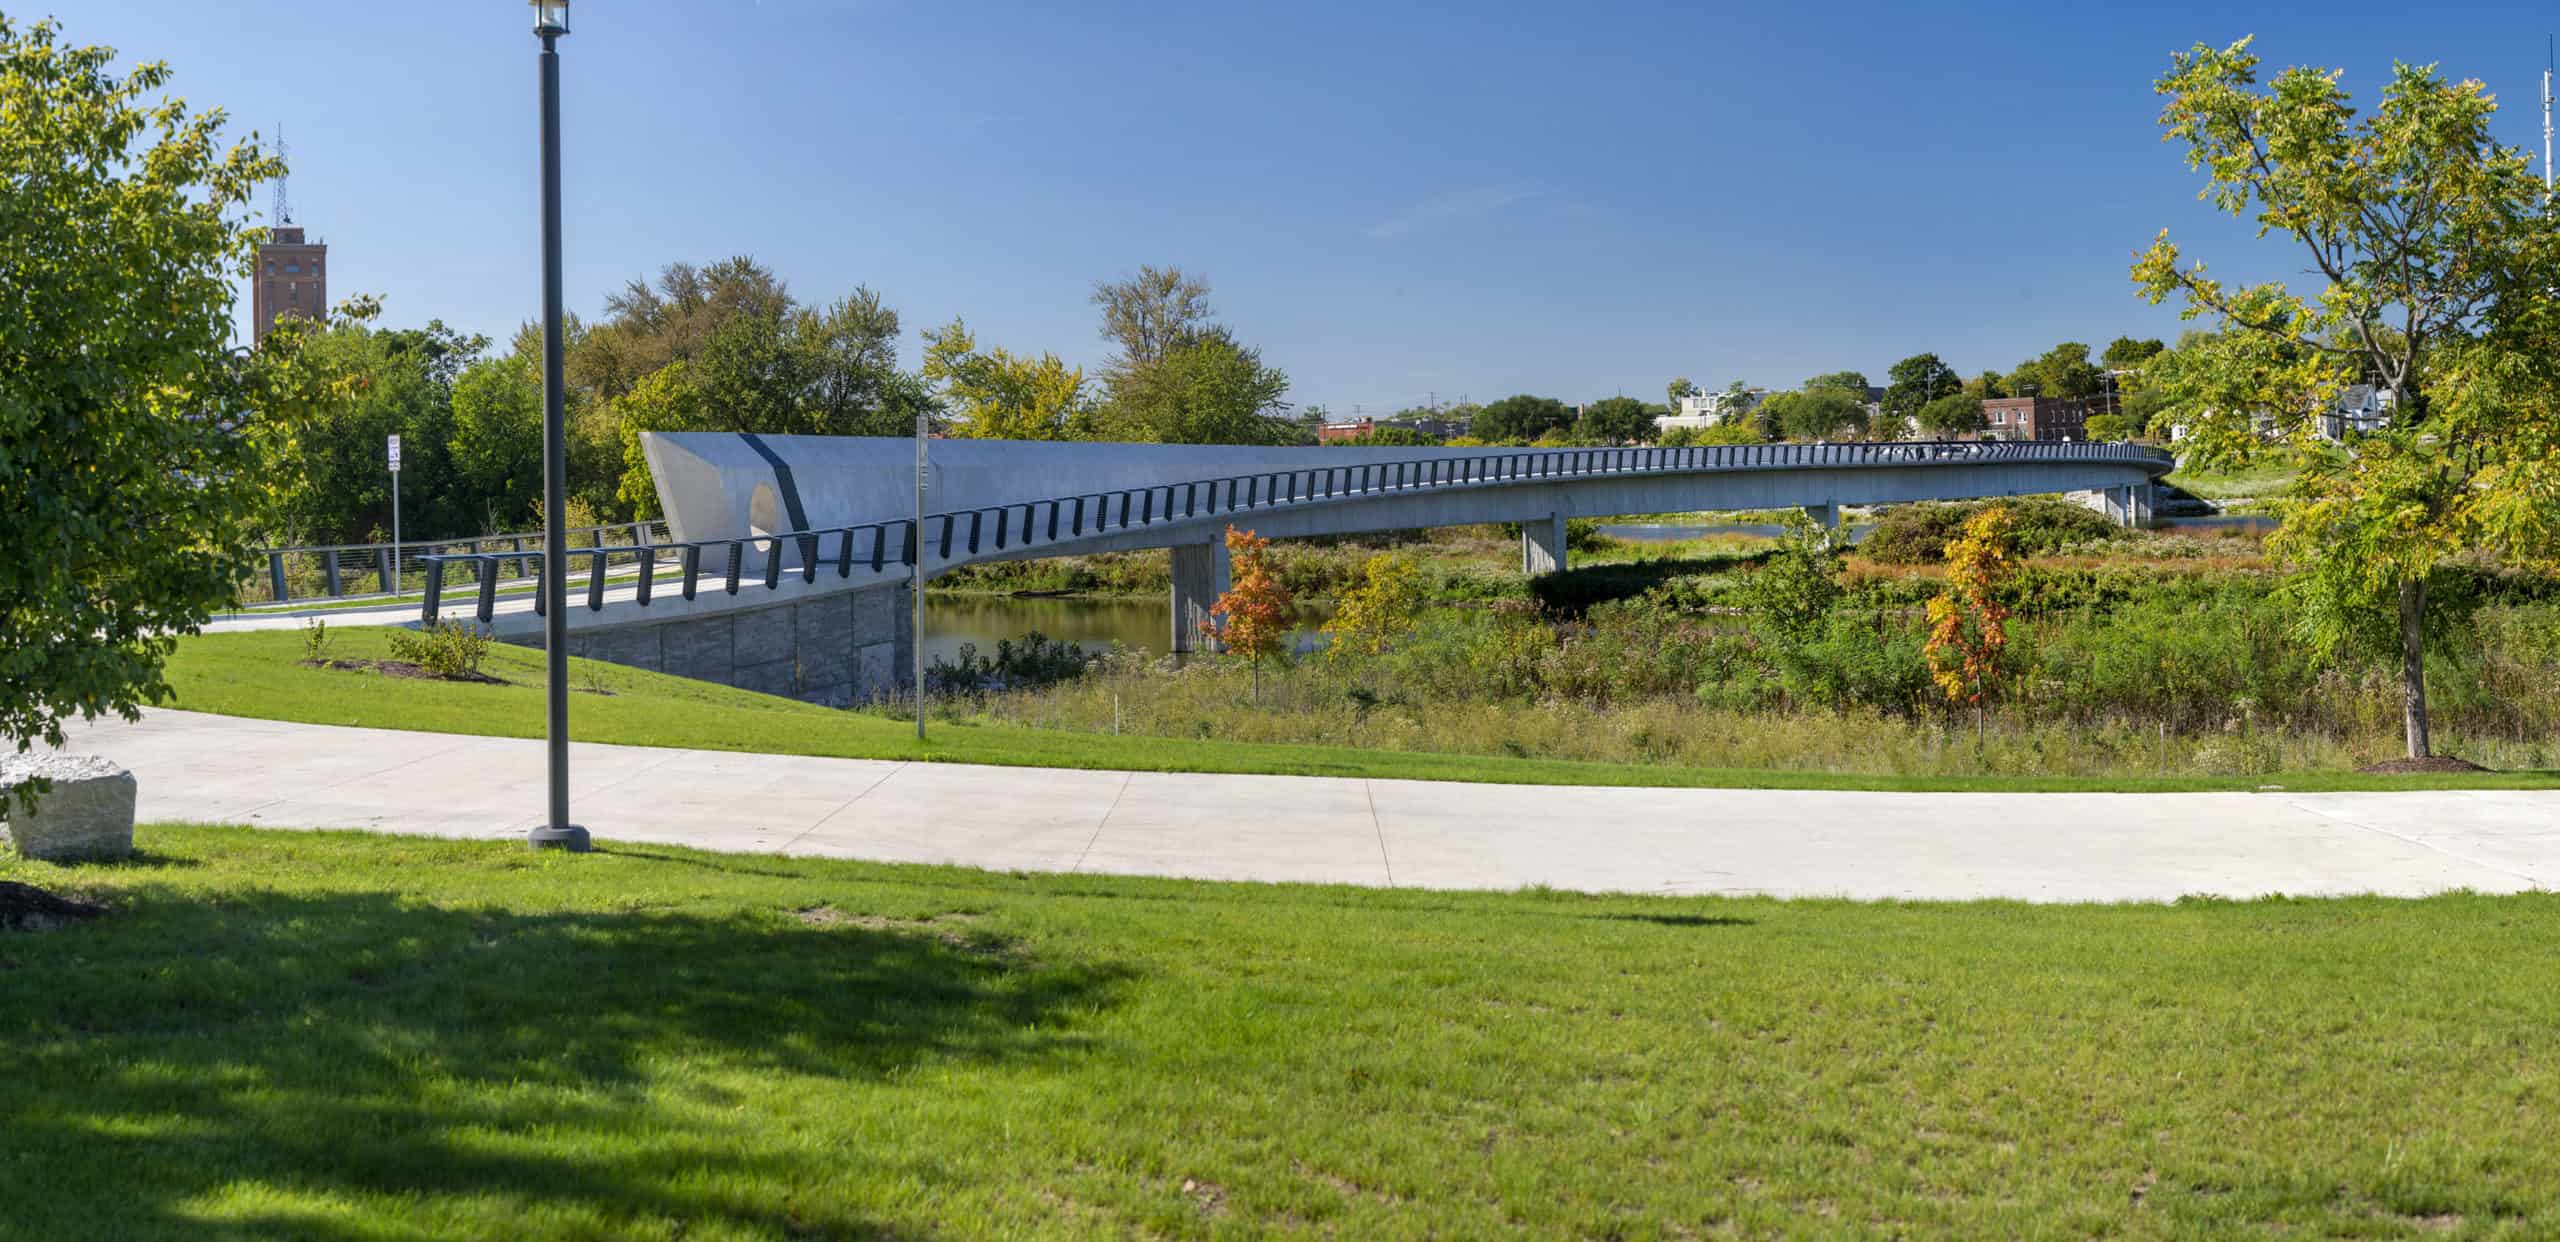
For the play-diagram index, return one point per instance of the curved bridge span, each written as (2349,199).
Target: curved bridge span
(763,521)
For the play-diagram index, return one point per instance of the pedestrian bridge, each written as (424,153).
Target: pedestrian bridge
(770,522)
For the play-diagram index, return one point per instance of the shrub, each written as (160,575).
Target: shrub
(447,649)
(1039,661)
(315,641)
(2039,526)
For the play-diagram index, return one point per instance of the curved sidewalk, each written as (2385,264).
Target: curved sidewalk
(2035,847)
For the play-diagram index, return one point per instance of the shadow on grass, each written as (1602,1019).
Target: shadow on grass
(1679,920)
(261,1065)
(1576,591)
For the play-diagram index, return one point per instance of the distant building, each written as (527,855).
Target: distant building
(1348,430)
(2359,409)
(1706,409)
(292,279)
(2034,418)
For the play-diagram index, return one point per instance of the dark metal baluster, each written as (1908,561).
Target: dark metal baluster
(737,562)
(489,569)
(648,575)
(595,580)
(691,559)
(773,562)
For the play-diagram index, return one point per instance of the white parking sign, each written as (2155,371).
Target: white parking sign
(395,452)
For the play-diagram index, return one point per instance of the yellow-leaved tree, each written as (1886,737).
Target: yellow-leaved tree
(1968,625)
(999,395)
(1382,607)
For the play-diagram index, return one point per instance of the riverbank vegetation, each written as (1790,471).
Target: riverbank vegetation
(260,674)
(2122,655)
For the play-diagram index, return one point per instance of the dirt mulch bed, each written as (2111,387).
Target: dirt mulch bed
(24,907)
(402,668)
(2432,763)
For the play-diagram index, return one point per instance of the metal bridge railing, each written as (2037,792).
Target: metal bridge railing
(961,535)
(338,571)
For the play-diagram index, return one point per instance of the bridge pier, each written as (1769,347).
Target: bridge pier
(2130,505)
(1542,549)
(1199,578)
(1826,516)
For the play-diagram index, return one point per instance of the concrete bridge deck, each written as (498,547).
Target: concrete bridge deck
(774,531)
(1936,846)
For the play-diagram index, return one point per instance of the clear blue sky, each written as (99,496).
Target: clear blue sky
(1393,200)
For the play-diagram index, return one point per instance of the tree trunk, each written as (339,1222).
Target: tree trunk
(2413,664)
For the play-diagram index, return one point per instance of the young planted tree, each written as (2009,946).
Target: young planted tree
(1381,608)
(2438,255)
(139,454)
(1252,618)
(1968,625)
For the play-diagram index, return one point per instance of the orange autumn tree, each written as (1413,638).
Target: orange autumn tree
(1252,618)
(1968,627)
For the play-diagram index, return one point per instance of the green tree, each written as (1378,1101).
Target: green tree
(2437,253)
(497,439)
(1618,420)
(1816,414)
(2062,371)
(1951,416)
(1521,417)
(1988,385)
(1151,315)
(1853,381)
(2125,353)
(2111,427)
(1208,390)
(1916,381)
(666,400)
(138,453)
(1795,587)
(999,395)
(340,490)
(1678,391)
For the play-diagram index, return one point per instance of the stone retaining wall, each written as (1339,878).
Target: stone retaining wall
(838,648)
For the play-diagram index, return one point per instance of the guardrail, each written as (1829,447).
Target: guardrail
(328,571)
(1093,513)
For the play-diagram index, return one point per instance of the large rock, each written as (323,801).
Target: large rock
(86,814)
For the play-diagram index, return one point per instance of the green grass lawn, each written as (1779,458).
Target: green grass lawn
(258,674)
(2261,481)
(281,1035)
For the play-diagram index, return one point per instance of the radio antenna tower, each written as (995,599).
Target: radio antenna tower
(285,208)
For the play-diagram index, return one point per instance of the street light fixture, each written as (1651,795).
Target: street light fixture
(550,21)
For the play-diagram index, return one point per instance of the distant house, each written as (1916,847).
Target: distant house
(1706,409)
(2360,409)
(2033,418)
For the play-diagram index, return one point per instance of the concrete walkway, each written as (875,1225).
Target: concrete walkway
(2036,847)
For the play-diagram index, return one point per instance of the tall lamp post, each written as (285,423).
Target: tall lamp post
(550,21)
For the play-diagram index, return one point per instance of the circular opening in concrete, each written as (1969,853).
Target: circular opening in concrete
(764,511)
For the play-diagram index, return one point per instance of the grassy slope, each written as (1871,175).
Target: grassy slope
(335,1036)
(257,674)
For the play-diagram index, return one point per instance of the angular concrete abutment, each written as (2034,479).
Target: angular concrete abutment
(1200,575)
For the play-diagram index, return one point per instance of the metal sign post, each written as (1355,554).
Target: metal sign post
(391,577)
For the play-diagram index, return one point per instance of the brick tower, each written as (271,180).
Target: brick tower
(292,276)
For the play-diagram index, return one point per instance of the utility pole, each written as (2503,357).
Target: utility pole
(916,584)
(393,577)
(2546,116)
(551,20)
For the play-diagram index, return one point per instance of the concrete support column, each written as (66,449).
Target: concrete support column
(1542,545)
(1826,516)
(1199,578)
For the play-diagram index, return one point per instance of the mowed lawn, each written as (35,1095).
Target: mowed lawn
(336,1036)
(260,674)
